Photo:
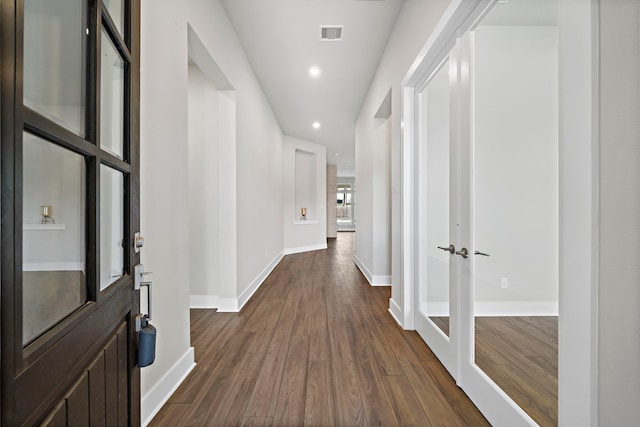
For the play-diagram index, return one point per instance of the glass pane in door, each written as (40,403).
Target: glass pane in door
(116,11)
(436,208)
(111,99)
(55,78)
(111,226)
(515,203)
(54,280)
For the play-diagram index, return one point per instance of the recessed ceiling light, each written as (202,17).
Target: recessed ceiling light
(336,154)
(314,71)
(316,125)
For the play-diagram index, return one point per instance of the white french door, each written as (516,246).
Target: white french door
(436,317)
(484,117)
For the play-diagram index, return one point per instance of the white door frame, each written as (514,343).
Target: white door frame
(578,158)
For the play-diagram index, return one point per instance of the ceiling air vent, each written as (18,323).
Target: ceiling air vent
(331,33)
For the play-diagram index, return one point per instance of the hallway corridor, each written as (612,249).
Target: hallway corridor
(314,346)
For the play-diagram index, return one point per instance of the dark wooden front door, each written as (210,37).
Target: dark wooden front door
(69,120)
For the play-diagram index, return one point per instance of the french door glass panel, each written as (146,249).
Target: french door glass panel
(434,298)
(435,180)
(116,11)
(111,226)
(55,77)
(514,212)
(54,282)
(111,99)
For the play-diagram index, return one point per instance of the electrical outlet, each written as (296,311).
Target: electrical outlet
(504,283)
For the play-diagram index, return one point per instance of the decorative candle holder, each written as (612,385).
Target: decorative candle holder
(303,212)
(47,212)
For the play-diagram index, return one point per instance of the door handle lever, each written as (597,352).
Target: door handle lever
(480,253)
(450,248)
(464,253)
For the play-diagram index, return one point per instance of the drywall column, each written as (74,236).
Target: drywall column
(332,184)
(416,21)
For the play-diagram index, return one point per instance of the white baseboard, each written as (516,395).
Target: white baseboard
(223,305)
(234,305)
(381,281)
(516,308)
(396,311)
(154,399)
(300,249)
(373,280)
(253,287)
(498,309)
(204,301)
(363,268)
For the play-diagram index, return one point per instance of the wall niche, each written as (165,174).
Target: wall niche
(306,198)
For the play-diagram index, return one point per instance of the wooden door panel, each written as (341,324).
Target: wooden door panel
(58,418)
(78,403)
(97,390)
(64,361)
(94,399)
(111,380)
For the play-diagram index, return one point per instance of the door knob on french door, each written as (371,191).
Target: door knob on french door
(450,248)
(480,253)
(464,253)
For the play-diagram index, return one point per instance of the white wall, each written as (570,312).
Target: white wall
(415,23)
(304,185)
(516,169)
(165,176)
(619,234)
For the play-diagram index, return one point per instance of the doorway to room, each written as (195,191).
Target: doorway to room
(212,181)
(346,204)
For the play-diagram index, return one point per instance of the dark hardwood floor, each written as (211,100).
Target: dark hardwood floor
(314,346)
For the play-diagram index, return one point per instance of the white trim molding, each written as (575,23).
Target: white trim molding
(373,280)
(257,282)
(395,310)
(204,301)
(233,305)
(154,399)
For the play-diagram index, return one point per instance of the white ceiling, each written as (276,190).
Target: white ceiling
(282,41)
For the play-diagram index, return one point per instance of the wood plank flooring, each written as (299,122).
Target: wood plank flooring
(315,346)
(520,354)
